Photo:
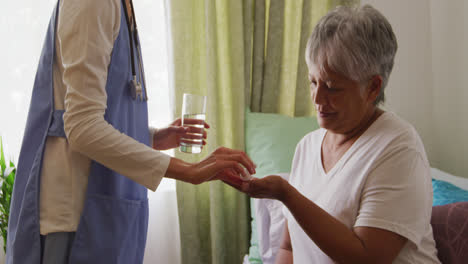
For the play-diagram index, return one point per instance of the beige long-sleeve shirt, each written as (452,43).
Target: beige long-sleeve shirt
(85,36)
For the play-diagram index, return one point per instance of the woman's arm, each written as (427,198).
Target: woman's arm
(359,245)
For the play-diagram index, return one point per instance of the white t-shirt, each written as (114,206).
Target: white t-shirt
(382,181)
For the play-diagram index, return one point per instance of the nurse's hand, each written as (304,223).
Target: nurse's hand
(231,177)
(213,167)
(171,136)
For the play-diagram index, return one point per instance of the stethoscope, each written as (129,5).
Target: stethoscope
(136,89)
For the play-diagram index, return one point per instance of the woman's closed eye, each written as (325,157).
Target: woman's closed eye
(333,89)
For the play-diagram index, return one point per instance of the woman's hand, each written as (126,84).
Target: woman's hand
(214,167)
(231,177)
(171,136)
(271,187)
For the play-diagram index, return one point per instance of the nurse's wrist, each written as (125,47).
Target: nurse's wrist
(179,170)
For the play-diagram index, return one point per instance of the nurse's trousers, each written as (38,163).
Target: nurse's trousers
(56,247)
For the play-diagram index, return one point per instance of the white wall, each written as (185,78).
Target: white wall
(427,86)
(450,63)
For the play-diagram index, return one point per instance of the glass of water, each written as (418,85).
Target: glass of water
(193,115)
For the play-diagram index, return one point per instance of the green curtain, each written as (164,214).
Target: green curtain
(238,53)
(277,81)
(207,50)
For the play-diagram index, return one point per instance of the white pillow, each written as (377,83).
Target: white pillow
(444,176)
(270,225)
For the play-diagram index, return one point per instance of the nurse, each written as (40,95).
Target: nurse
(88,157)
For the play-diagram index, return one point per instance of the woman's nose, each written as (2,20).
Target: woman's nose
(319,96)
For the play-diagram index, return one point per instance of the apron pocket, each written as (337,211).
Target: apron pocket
(111,230)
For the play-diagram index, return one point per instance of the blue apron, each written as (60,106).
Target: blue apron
(114,221)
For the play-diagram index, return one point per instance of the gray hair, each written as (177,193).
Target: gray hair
(357,42)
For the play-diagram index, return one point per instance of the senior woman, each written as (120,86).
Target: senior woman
(360,189)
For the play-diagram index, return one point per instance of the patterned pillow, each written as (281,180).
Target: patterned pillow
(445,193)
(450,226)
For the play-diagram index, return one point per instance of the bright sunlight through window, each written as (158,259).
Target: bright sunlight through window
(23,26)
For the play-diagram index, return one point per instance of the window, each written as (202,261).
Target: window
(23,26)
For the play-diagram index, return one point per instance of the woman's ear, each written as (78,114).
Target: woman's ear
(373,90)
